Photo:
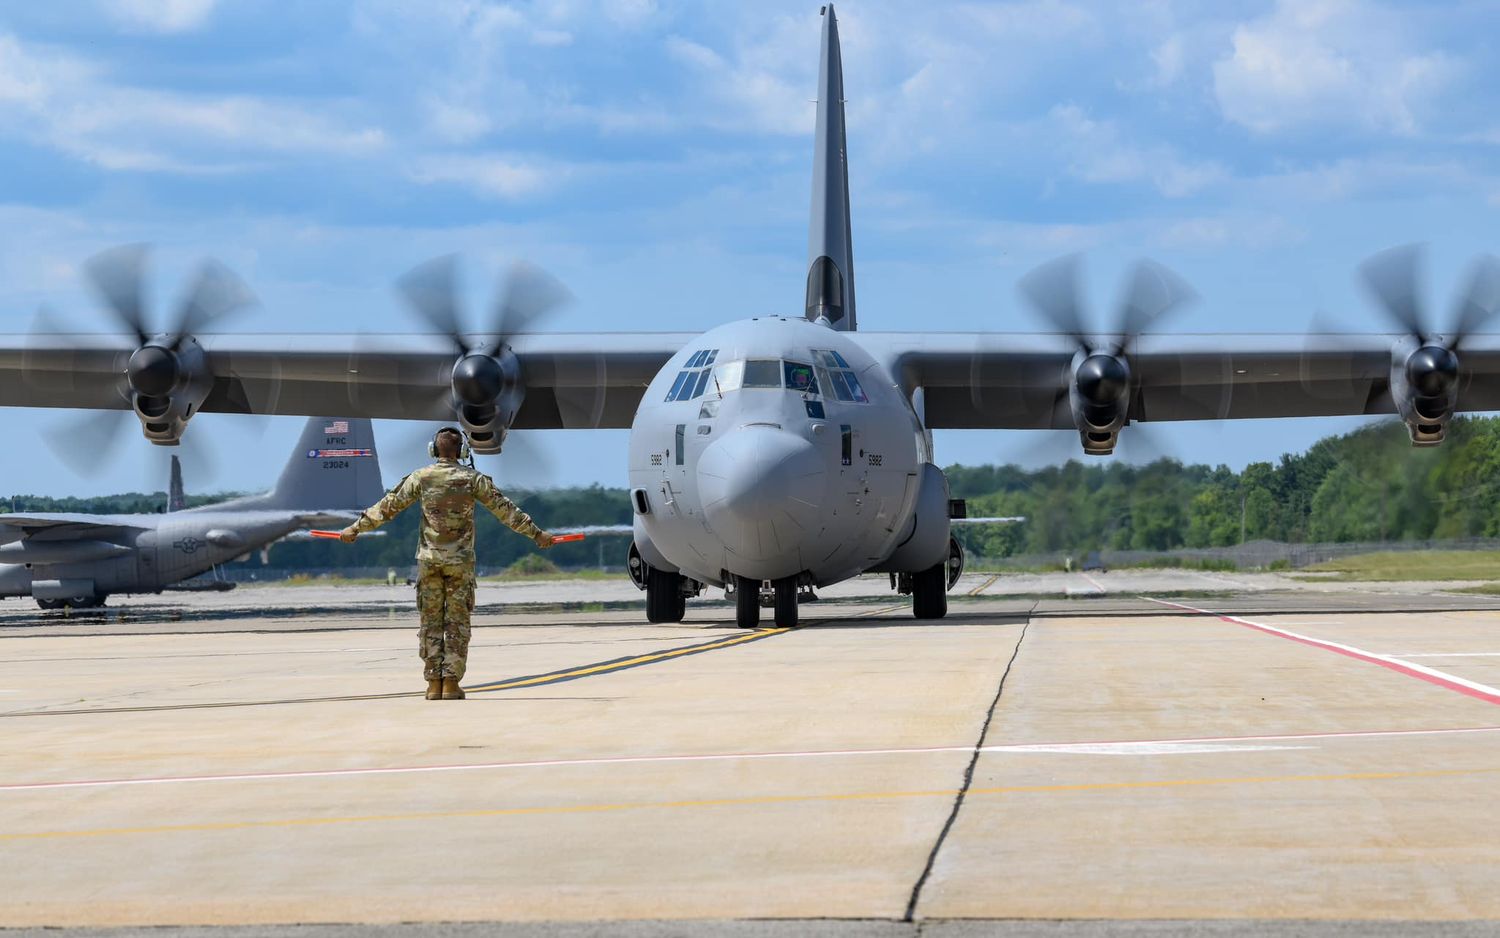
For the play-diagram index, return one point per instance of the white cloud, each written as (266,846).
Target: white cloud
(1327,62)
(497,175)
(753,91)
(161,16)
(70,104)
(1097,151)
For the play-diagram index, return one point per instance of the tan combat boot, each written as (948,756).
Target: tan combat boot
(451,690)
(435,689)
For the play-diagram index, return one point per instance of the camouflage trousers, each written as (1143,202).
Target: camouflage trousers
(445,597)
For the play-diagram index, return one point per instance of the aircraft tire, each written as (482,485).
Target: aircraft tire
(929,592)
(786,602)
(664,599)
(746,602)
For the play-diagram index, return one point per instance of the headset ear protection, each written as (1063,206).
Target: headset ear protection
(463,446)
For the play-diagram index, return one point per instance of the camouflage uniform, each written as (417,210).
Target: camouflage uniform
(447,490)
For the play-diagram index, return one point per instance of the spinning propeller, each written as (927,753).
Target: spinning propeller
(1425,365)
(167,374)
(1099,382)
(485,385)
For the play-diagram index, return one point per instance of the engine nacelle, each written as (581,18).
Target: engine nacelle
(1424,387)
(1099,397)
(487,393)
(167,386)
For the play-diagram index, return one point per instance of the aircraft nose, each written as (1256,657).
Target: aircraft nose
(762,487)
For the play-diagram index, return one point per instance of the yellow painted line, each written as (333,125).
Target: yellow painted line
(737,802)
(624,663)
(984,586)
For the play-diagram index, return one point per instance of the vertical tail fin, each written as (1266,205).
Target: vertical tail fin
(176,499)
(830,251)
(334,467)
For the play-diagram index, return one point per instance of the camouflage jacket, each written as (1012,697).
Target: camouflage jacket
(447,490)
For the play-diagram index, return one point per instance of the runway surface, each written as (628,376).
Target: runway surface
(1261,761)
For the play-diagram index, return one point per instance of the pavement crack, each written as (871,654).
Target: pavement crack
(968,780)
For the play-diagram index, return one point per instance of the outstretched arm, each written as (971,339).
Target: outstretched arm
(396,501)
(508,511)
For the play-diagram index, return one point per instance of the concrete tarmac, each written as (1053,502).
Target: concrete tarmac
(1270,761)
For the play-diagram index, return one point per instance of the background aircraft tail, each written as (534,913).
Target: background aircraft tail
(334,467)
(830,251)
(176,498)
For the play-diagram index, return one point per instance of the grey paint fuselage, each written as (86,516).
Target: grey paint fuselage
(762,489)
(159,549)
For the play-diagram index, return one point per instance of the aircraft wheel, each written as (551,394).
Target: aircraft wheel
(49,604)
(746,602)
(664,599)
(786,602)
(929,592)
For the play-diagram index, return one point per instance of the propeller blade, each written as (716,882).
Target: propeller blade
(1393,278)
(1480,300)
(1141,444)
(431,290)
(522,461)
(529,295)
(118,276)
(40,370)
(1153,292)
(1055,291)
(1032,449)
(87,444)
(216,291)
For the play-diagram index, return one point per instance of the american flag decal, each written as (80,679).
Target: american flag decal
(338,426)
(338,453)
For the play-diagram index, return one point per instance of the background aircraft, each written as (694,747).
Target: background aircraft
(795,452)
(79,559)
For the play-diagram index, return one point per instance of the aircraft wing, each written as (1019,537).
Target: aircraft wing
(997,381)
(571,380)
(1009,519)
(60,524)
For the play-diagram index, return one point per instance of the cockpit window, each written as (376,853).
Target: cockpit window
(691,382)
(838,377)
(761,373)
(799,377)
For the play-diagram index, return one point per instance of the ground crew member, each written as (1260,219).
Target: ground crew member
(447,490)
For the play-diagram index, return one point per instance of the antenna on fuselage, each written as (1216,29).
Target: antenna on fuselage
(830,250)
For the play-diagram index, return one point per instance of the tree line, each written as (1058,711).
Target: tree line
(1368,485)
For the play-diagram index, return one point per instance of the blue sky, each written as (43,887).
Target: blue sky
(655,156)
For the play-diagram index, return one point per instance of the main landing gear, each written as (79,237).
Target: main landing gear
(665,600)
(746,602)
(929,592)
(73,602)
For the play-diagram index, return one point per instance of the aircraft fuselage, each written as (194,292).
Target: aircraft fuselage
(775,448)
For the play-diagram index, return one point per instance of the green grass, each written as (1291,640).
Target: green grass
(1411,565)
(1488,589)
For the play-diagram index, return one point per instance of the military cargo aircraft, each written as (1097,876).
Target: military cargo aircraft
(779,453)
(77,560)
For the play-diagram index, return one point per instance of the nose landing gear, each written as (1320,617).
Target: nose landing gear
(784,598)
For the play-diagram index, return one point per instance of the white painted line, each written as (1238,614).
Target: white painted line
(1093,582)
(1421,672)
(1107,747)
(1139,749)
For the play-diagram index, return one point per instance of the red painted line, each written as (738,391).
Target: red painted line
(1421,672)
